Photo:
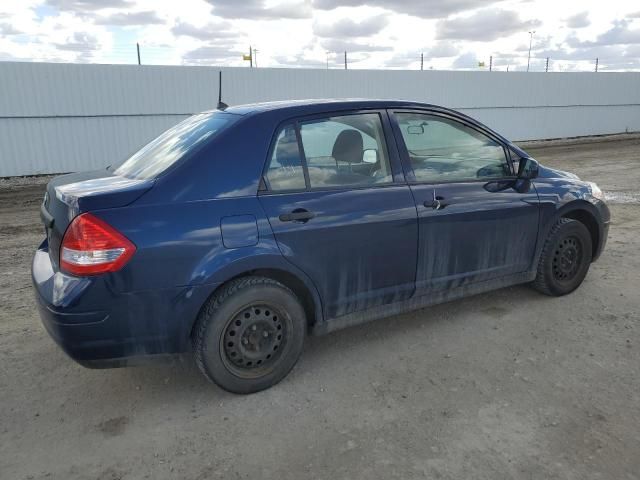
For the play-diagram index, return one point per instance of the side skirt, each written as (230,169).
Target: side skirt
(415,303)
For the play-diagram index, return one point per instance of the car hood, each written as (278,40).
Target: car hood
(548,172)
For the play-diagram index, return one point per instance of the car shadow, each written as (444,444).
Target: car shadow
(180,376)
(412,323)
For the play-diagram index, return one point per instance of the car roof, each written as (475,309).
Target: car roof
(291,108)
(310,106)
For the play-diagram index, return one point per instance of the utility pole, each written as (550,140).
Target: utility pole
(530,42)
(138,48)
(422,61)
(345,59)
(250,57)
(327,52)
(546,67)
(597,65)
(491,63)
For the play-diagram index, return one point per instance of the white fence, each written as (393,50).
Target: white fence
(67,117)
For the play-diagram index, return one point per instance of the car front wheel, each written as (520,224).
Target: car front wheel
(249,335)
(565,258)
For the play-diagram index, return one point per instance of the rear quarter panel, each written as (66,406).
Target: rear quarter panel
(181,244)
(230,166)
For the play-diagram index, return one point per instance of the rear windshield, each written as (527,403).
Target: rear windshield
(158,155)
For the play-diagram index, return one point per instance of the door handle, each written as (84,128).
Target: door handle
(300,215)
(437,203)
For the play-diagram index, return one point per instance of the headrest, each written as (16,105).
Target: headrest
(348,147)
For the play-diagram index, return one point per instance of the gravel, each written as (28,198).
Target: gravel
(509,384)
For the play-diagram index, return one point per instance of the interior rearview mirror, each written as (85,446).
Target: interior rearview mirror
(415,129)
(370,155)
(528,168)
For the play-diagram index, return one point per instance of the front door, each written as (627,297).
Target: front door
(475,222)
(340,213)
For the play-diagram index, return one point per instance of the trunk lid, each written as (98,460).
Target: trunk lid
(70,195)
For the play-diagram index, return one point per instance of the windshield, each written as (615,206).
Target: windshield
(158,155)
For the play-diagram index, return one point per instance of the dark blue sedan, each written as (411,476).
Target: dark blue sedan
(238,231)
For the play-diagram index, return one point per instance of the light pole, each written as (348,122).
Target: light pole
(530,42)
(327,53)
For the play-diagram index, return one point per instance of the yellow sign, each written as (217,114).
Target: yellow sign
(481,64)
(246,57)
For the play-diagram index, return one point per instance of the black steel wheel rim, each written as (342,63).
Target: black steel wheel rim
(254,339)
(567,259)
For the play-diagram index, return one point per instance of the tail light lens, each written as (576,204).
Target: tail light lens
(91,246)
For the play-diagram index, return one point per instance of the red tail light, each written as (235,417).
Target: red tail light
(91,246)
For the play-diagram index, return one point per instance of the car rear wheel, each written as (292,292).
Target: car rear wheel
(565,258)
(249,335)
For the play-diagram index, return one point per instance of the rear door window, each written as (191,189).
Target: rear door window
(346,150)
(285,165)
(158,155)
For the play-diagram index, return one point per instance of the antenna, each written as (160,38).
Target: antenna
(221,104)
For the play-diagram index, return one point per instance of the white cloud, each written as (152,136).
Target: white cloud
(348,28)
(305,33)
(579,20)
(486,25)
(418,8)
(442,49)
(259,9)
(88,5)
(207,32)
(466,61)
(147,17)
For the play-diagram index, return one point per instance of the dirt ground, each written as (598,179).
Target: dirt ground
(509,384)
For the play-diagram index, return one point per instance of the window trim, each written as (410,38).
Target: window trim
(265,167)
(387,131)
(404,151)
(303,156)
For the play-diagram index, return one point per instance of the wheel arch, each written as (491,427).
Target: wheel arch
(587,214)
(297,286)
(288,275)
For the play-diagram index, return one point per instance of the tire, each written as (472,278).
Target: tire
(249,335)
(565,258)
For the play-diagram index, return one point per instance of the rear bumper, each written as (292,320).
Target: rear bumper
(100,327)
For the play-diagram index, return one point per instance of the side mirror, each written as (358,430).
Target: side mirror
(528,169)
(370,155)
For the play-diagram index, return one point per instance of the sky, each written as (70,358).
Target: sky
(376,34)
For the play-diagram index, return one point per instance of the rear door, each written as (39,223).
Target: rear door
(475,223)
(341,210)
